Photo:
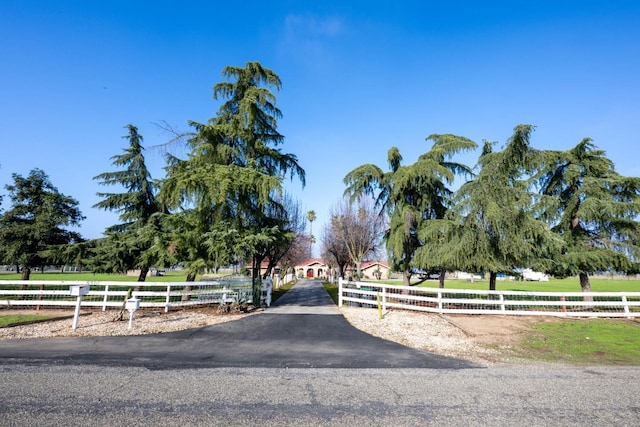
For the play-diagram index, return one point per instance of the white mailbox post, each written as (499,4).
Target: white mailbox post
(78,291)
(132,304)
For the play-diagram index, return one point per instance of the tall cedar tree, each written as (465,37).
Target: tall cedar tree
(135,242)
(491,225)
(594,209)
(233,174)
(410,195)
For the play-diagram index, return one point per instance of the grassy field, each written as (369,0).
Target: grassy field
(170,276)
(553,285)
(332,290)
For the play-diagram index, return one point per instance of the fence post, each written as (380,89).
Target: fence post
(502,306)
(339,291)
(440,302)
(626,306)
(384,298)
(166,304)
(106,297)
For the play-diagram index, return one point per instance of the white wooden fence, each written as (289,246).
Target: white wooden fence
(459,301)
(104,294)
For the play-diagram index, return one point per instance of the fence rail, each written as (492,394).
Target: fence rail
(460,301)
(167,295)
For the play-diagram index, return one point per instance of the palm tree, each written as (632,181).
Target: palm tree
(311,216)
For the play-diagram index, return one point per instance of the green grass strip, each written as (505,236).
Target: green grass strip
(19,319)
(585,342)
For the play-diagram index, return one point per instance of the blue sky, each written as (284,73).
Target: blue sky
(358,78)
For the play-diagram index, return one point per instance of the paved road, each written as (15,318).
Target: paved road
(118,388)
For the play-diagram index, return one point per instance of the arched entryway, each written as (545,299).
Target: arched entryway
(310,272)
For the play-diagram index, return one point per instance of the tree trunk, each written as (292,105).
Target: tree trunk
(341,271)
(584,282)
(256,282)
(26,272)
(492,280)
(120,314)
(143,273)
(191,277)
(586,288)
(406,278)
(142,277)
(441,278)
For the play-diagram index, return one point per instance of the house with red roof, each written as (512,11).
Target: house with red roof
(374,270)
(312,268)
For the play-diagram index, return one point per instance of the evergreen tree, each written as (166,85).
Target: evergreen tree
(410,195)
(594,209)
(491,226)
(35,223)
(234,172)
(133,243)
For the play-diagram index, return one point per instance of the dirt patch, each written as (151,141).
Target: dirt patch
(497,331)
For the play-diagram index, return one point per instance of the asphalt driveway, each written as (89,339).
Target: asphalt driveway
(303,329)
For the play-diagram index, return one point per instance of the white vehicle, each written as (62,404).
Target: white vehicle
(534,276)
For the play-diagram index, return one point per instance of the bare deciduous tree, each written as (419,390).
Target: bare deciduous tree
(358,227)
(334,251)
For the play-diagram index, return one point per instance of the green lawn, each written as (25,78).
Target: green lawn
(170,276)
(16,319)
(332,290)
(584,342)
(553,285)
(277,293)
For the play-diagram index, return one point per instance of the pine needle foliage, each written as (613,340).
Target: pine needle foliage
(491,226)
(411,195)
(234,172)
(140,241)
(37,222)
(594,210)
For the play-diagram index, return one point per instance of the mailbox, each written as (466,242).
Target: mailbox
(80,290)
(132,304)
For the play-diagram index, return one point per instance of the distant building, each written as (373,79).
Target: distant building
(312,268)
(375,270)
